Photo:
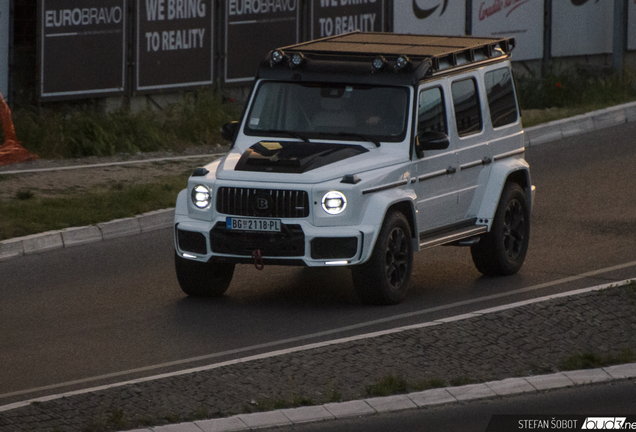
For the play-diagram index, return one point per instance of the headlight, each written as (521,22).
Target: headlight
(334,202)
(201,196)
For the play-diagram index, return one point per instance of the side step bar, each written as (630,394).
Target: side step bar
(451,236)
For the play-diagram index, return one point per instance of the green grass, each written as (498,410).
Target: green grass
(79,131)
(589,360)
(30,214)
(569,92)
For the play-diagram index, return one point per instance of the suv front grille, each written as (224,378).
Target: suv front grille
(262,202)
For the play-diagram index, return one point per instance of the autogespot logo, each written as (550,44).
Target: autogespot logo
(422,13)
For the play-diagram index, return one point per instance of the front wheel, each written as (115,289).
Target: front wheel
(203,279)
(384,278)
(501,251)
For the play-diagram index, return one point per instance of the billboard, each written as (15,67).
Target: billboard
(439,17)
(582,27)
(334,17)
(4,48)
(522,19)
(82,48)
(174,44)
(252,29)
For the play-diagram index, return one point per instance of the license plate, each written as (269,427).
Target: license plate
(245,224)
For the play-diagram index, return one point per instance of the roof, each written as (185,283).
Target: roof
(427,54)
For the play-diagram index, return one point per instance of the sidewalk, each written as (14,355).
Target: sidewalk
(510,349)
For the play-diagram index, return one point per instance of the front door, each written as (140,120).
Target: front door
(436,185)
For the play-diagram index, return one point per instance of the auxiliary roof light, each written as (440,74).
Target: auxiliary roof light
(297,59)
(379,63)
(402,62)
(277,56)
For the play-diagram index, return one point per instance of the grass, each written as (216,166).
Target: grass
(30,214)
(80,131)
(569,92)
(589,360)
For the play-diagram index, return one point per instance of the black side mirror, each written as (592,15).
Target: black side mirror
(229,130)
(431,140)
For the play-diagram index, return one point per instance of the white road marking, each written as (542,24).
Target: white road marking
(319,334)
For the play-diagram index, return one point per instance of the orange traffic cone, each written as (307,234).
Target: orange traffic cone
(11,151)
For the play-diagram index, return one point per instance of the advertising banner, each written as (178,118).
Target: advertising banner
(582,27)
(522,19)
(4,49)
(334,17)
(252,29)
(631,25)
(82,48)
(430,17)
(174,44)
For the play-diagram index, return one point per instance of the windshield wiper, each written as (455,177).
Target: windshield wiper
(361,136)
(285,132)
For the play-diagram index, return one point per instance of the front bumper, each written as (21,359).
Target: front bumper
(299,243)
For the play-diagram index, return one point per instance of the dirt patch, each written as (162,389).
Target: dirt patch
(56,178)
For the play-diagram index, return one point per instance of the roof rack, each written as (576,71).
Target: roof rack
(423,55)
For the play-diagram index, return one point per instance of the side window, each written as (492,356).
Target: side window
(432,111)
(467,110)
(501,97)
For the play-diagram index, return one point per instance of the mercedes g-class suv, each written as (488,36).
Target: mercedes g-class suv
(358,150)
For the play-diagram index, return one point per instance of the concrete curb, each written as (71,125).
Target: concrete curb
(580,124)
(159,219)
(68,237)
(372,406)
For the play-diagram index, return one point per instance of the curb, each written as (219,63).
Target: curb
(160,219)
(580,124)
(68,237)
(373,406)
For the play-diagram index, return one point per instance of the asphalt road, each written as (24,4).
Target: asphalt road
(104,312)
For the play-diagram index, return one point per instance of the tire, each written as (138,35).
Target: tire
(384,278)
(501,251)
(203,279)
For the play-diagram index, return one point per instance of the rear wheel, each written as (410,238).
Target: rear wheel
(502,251)
(203,279)
(384,278)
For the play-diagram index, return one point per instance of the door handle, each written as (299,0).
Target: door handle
(451,170)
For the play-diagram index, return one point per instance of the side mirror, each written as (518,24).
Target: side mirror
(229,130)
(431,140)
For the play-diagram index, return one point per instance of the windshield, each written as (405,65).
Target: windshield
(329,111)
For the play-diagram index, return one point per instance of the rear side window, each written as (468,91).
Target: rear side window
(501,97)
(467,110)
(432,111)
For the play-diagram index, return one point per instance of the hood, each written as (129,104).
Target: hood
(293,157)
(298,162)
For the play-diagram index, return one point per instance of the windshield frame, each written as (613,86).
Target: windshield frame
(361,133)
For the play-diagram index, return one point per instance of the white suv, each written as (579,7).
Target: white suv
(358,150)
